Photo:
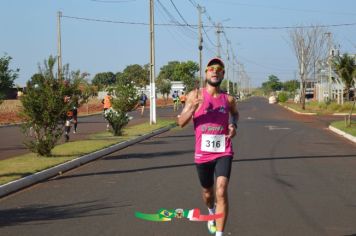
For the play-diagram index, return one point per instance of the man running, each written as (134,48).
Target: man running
(143,99)
(175,98)
(211,109)
(182,99)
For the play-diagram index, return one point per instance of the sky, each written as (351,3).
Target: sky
(121,36)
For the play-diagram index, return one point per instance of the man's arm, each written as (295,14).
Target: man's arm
(234,117)
(190,107)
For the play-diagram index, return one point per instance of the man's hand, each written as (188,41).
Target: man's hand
(196,100)
(232,131)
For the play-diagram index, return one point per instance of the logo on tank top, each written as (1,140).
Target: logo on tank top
(205,128)
(221,109)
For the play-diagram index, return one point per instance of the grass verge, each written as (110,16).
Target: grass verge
(320,108)
(20,166)
(341,126)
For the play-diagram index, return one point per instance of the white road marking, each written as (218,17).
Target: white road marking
(272,127)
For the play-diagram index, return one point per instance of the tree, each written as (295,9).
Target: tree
(7,75)
(224,85)
(164,86)
(104,79)
(291,86)
(180,71)
(45,106)
(139,75)
(272,85)
(86,89)
(167,71)
(309,45)
(185,71)
(345,67)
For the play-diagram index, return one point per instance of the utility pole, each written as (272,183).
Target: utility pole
(200,10)
(218,32)
(233,74)
(152,67)
(227,68)
(59,45)
(329,35)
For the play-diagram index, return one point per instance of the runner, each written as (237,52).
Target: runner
(210,107)
(68,124)
(182,99)
(143,99)
(175,98)
(107,105)
(75,118)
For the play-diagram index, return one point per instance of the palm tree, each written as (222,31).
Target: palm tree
(345,67)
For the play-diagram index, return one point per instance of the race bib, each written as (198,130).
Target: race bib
(213,143)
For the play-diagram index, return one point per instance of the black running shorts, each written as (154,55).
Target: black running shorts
(220,166)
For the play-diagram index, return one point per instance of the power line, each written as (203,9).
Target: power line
(288,27)
(210,26)
(207,36)
(193,3)
(174,35)
(175,7)
(174,20)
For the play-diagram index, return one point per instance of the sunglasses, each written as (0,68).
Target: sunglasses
(214,68)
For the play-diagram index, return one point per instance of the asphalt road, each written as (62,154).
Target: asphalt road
(290,176)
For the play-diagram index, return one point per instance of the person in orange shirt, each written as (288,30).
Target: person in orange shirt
(107,101)
(182,99)
(107,105)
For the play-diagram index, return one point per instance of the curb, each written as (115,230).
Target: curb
(342,133)
(27,181)
(301,113)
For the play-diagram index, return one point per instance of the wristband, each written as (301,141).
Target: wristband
(233,121)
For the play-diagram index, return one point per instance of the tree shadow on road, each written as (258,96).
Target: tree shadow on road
(125,171)
(156,154)
(41,212)
(148,155)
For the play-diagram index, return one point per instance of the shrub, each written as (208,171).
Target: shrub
(124,101)
(282,97)
(334,107)
(45,108)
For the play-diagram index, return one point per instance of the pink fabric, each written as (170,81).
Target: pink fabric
(212,118)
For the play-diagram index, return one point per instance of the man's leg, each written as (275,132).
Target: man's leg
(208,197)
(222,203)
(206,177)
(222,172)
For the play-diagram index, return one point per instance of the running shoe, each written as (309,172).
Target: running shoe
(211,227)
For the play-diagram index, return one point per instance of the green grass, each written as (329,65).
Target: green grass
(341,126)
(27,164)
(320,108)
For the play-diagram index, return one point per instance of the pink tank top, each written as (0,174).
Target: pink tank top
(211,123)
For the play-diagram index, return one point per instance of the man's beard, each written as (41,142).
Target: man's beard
(214,84)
